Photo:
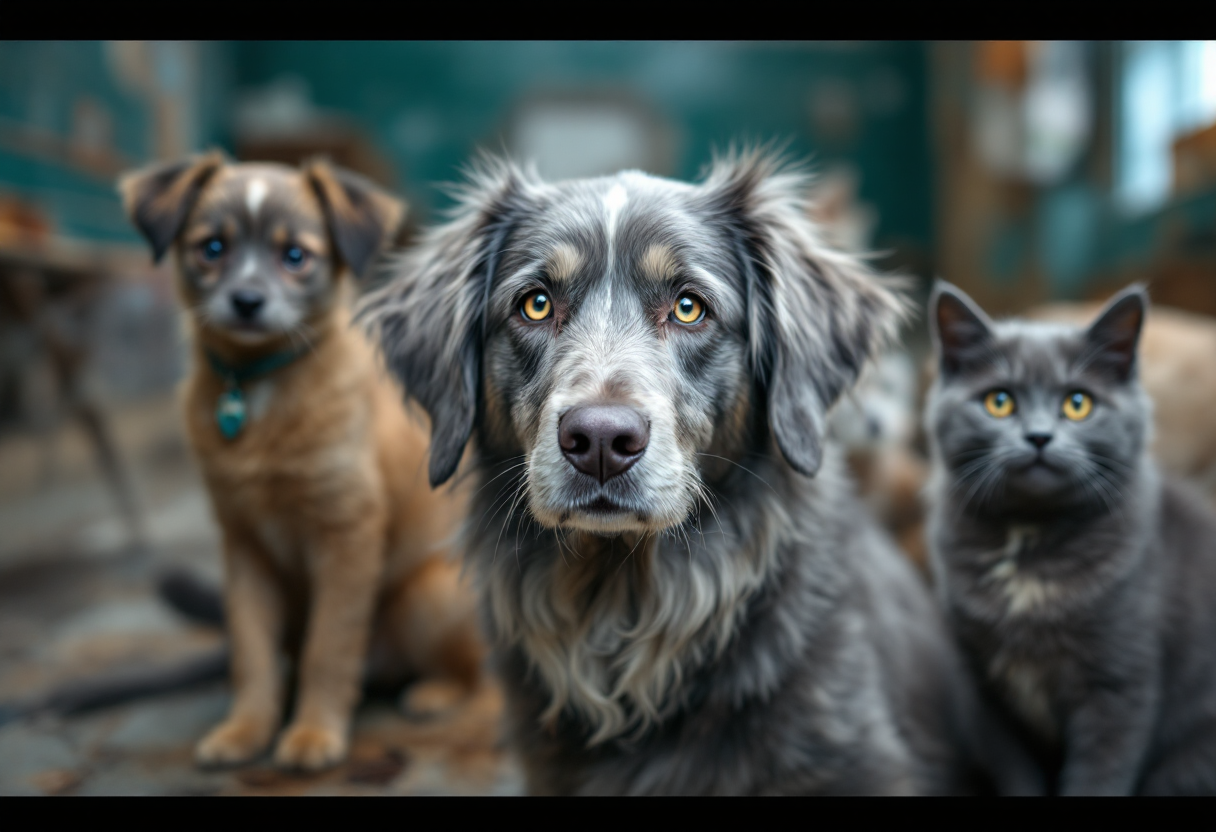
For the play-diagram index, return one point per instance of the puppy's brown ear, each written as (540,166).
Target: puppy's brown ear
(430,317)
(362,217)
(158,198)
(815,315)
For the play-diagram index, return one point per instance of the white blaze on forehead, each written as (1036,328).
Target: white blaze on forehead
(255,192)
(614,201)
(251,265)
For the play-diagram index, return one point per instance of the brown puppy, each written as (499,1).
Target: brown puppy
(317,475)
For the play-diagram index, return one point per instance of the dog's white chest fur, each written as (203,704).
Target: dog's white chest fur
(624,648)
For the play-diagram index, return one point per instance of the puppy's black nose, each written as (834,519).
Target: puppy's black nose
(873,427)
(247,302)
(1038,439)
(603,440)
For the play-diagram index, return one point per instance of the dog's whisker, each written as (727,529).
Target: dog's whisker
(624,560)
(506,471)
(737,465)
(504,494)
(506,497)
(519,492)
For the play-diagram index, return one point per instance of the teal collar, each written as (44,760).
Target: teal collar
(231,413)
(260,367)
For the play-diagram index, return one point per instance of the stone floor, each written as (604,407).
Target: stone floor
(76,599)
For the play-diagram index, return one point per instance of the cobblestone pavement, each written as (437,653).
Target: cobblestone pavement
(77,600)
(146,748)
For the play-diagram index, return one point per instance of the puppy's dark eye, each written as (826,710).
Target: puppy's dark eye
(211,249)
(688,310)
(536,307)
(295,258)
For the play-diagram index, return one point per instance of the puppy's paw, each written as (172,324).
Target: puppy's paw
(310,748)
(432,698)
(233,741)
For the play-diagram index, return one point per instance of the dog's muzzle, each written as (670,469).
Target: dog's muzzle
(603,441)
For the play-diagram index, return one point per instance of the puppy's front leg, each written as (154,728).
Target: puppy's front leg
(255,623)
(345,577)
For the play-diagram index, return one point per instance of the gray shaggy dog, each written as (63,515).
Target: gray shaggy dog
(682,592)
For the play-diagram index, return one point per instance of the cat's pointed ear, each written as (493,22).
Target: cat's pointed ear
(962,333)
(1114,336)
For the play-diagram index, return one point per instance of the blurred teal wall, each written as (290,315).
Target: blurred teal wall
(427,106)
(430,104)
(41,85)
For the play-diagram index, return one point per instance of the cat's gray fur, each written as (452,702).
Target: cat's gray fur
(1082,587)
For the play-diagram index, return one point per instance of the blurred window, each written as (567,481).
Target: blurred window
(575,134)
(1032,116)
(1166,89)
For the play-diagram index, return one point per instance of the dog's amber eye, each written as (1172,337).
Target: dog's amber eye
(688,310)
(998,403)
(536,306)
(1078,405)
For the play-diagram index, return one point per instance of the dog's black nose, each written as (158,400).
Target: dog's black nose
(1038,439)
(247,302)
(603,440)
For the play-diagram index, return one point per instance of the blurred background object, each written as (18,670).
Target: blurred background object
(1068,169)
(1026,173)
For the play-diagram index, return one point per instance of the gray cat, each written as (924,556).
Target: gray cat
(1081,585)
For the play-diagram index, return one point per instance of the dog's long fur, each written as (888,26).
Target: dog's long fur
(331,534)
(737,624)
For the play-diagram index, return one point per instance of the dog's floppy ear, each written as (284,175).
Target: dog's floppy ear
(1114,335)
(362,217)
(815,315)
(962,333)
(430,316)
(158,198)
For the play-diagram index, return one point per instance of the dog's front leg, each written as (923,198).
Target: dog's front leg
(345,576)
(255,624)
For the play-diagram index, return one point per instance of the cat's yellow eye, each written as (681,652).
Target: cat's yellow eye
(1078,405)
(688,310)
(998,403)
(536,306)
